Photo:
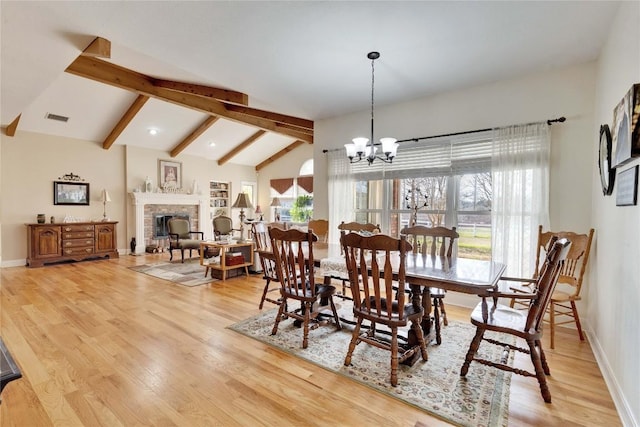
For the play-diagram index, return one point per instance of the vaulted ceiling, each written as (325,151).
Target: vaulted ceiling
(252,77)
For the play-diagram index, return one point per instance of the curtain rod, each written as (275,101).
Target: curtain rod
(549,122)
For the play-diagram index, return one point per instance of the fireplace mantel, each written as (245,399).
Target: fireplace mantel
(140,200)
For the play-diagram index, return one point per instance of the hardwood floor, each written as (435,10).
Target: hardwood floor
(102,345)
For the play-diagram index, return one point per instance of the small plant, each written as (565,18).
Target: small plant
(302,209)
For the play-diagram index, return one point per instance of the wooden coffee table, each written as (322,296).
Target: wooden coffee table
(224,249)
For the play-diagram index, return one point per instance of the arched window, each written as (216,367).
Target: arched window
(306,168)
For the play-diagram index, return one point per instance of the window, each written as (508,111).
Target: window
(433,203)
(492,185)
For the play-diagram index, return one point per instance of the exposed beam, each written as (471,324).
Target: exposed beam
(285,150)
(293,122)
(105,72)
(194,135)
(124,121)
(238,148)
(13,126)
(210,92)
(99,48)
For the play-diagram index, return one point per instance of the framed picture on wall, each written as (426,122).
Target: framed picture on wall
(169,175)
(626,128)
(70,193)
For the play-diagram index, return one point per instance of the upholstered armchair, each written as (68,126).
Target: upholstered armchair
(223,227)
(181,237)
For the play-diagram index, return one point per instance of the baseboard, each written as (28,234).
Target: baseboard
(14,263)
(617,395)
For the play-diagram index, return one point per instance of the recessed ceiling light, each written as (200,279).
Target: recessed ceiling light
(153,131)
(212,144)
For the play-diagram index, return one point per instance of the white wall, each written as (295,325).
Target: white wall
(31,162)
(614,300)
(537,97)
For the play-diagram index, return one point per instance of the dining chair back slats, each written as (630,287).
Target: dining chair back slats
(369,261)
(267,261)
(293,255)
(434,241)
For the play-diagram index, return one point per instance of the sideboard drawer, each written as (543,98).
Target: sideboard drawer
(77,243)
(77,251)
(76,228)
(77,234)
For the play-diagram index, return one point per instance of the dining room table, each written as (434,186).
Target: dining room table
(422,272)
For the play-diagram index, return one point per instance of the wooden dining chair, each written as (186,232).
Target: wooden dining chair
(320,228)
(563,299)
(433,241)
(526,325)
(374,301)
(267,261)
(357,227)
(293,253)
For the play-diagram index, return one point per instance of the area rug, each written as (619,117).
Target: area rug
(189,273)
(435,386)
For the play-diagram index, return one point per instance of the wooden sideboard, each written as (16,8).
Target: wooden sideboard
(77,241)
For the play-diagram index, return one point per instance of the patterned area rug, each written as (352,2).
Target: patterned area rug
(435,386)
(191,273)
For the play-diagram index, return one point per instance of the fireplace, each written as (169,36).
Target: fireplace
(161,224)
(147,205)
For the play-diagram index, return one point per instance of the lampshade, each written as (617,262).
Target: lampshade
(242,201)
(275,202)
(105,196)
(258,210)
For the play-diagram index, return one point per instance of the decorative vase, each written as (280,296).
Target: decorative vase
(133,245)
(41,219)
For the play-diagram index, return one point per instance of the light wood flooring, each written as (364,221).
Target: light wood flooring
(101,345)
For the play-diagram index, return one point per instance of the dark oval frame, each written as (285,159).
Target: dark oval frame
(607,173)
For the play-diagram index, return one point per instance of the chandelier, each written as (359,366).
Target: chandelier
(365,148)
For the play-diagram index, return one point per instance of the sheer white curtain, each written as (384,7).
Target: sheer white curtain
(520,172)
(341,197)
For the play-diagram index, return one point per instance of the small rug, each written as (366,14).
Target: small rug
(189,273)
(435,386)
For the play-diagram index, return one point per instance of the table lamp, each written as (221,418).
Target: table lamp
(276,204)
(242,202)
(104,199)
(259,212)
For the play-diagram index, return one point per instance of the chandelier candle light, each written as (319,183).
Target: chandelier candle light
(242,202)
(359,149)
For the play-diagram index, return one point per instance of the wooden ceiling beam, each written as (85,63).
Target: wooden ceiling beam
(238,148)
(13,126)
(105,72)
(124,121)
(290,121)
(295,144)
(201,90)
(194,135)
(99,48)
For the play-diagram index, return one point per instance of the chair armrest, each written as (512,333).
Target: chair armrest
(175,236)
(515,287)
(201,233)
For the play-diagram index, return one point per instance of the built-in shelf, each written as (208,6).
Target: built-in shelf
(219,198)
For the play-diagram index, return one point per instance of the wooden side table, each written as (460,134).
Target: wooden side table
(225,248)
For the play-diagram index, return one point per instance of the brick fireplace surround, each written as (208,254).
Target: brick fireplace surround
(145,205)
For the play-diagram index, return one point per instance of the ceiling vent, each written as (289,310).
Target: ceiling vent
(57,117)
